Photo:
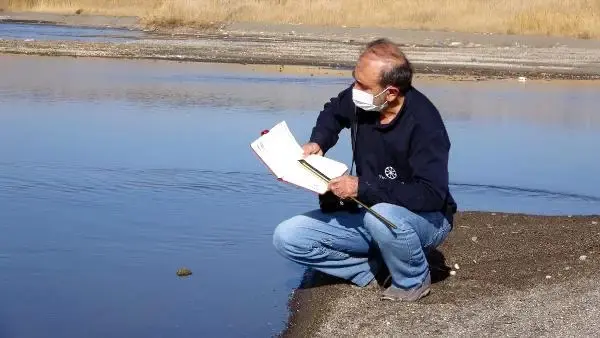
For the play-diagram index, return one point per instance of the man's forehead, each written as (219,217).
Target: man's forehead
(367,71)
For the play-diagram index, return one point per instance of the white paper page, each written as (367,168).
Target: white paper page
(327,166)
(300,176)
(278,149)
(262,150)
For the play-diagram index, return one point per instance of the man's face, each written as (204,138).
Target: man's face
(366,78)
(366,74)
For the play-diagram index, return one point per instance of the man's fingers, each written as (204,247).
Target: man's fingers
(334,186)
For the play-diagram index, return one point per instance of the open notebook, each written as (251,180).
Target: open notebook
(280,152)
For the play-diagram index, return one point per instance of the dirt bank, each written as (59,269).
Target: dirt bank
(456,54)
(518,275)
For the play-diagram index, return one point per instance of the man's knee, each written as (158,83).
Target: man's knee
(396,214)
(287,237)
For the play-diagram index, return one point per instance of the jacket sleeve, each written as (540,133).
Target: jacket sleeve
(428,187)
(332,119)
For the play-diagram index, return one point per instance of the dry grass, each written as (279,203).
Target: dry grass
(579,18)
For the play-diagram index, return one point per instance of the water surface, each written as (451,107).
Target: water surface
(115,173)
(22,31)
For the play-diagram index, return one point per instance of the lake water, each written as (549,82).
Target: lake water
(114,174)
(23,31)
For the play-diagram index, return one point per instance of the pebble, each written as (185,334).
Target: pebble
(594,222)
(548,277)
(452,273)
(184,272)
(474,238)
(582,257)
(567,268)
(456,266)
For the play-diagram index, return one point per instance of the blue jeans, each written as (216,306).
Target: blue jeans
(353,246)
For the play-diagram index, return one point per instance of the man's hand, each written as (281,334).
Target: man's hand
(312,148)
(344,186)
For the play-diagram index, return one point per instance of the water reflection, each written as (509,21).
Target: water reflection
(229,87)
(115,173)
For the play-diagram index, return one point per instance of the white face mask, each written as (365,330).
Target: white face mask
(366,101)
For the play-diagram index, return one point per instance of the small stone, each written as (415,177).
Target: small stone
(548,277)
(452,273)
(567,268)
(474,238)
(582,257)
(594,222)
(493,214)
(456,266)
(184,272)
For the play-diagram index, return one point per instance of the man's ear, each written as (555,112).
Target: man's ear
(393,93)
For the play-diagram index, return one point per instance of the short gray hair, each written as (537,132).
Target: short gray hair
(399,71)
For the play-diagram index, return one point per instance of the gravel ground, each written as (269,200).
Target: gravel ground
(518,275)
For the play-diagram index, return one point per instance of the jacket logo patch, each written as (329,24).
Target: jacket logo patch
(390,173)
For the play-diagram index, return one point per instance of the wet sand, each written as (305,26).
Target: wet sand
(456,55)
(518,275)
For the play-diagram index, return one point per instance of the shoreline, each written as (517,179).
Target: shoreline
(451,55)
(510,267)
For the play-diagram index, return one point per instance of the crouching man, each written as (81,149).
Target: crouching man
(401,150)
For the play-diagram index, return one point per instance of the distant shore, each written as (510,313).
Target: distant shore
(452,55)
(542,17)
(514,275)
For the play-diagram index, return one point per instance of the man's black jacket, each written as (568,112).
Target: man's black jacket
(404,162)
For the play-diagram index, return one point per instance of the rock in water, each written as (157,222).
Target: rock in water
(183,272)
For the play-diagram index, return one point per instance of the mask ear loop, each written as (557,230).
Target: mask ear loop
(383,91)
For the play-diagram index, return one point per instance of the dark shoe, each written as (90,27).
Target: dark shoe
(397,294)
